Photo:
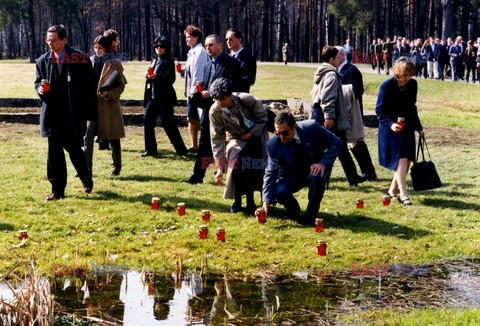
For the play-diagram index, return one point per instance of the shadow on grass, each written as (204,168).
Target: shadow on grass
(167,203)
(455,204)
(6,227)
(360,223)
(144,178)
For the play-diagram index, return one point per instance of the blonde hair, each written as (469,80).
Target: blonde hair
(404,65)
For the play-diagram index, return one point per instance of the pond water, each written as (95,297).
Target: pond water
(146,299)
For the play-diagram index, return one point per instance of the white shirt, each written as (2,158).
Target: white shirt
(235,54)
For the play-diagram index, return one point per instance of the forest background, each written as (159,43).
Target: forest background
(307,25)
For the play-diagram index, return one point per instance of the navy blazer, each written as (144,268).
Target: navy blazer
(72,99)
(226,67)
(248,71)
(320,145)
(351,75)
(431,52)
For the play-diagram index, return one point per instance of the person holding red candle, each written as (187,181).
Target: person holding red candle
(66,108)
(162,100)
(396,145)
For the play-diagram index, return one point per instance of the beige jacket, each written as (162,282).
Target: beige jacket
(356,132)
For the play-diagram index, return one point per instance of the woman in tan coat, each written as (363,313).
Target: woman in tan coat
(111,84)
(238,133)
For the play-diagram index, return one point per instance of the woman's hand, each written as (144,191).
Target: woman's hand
(218,176)
(396,127)
(150,76)
(329,123)
(246,136)
(422,133)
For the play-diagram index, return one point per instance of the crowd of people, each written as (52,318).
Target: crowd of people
(81,100)
(434,58)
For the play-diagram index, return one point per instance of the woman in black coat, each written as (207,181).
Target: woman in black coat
(162,101)
(396,141)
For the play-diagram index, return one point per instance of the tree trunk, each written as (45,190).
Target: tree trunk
(31,32)
(148,32)
(139,30)
(447,19)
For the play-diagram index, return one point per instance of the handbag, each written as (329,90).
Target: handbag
(424,174)
(147,95)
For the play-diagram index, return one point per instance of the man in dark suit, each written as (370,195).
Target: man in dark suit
(67,104)
(351,75)
(220,65)
(299,155)
(455,54)
(248,63)
(439,58)
(387,49)
(430,50)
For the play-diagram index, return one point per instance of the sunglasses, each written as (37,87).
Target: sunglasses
(283,133)
(159,46)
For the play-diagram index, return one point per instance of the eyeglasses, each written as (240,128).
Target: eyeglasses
(159,46)
(229,39)
(52,40)
(282,133)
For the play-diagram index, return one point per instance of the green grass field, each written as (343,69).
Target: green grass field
(114,221)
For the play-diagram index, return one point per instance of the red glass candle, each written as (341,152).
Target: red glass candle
(359,203)
(206,215)
(22,234)
(318,225)
(322,247)
(181,207)
(221,234)
(386,200)
(199,87)
(203,232)
(401,122)
(150,71)
(155,203)
(261,215)
(179,67)
(45,86)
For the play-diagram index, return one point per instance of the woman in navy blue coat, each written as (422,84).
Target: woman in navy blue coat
(396,143)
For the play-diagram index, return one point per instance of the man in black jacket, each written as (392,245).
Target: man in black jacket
(248,63)
(68,102)
(220,65)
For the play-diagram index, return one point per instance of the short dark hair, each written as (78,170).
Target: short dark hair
(285,117)
(328,52)
(194,31)
(59,29)
(111,35)
(164,43)
(220,88)
(236,33)
(103,41)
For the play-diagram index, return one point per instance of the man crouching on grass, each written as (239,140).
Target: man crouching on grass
(299,155)
(65,83)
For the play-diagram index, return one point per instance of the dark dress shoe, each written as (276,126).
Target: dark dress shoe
(251,209)
(235,207)
(358,179)
(194,180)
(54,196)
(369,177)
(87,184)
(145,154)
(115,172)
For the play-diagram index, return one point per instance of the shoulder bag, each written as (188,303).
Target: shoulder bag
(424,174)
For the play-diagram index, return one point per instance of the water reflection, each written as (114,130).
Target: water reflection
(194,299)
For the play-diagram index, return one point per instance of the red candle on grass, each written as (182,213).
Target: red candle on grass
(322,247)
(318,225)
(181,208)
(261,215)
(203,232)
(221,234)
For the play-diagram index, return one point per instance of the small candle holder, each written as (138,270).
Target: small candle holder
(359,203)
(150,71)
(178,66)
(45,86)
(206,215)
(261,215)
(199,87)
(401,122)
(318,225)
(322,247)
(386,200)
(203,234)
(221,234)
(155,203)
(181,208)
(22,234)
